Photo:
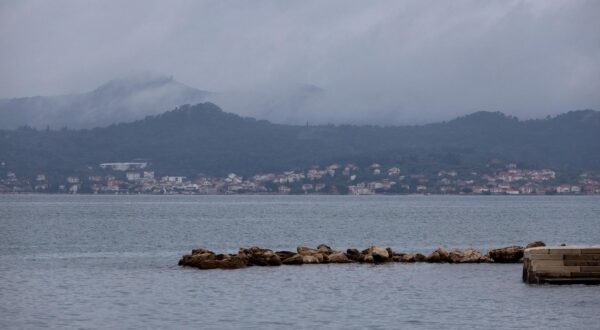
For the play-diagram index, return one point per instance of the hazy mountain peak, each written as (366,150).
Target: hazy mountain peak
(119,100)
(199,109)
(135,83)
(485,117)
(290,103)
(588,116)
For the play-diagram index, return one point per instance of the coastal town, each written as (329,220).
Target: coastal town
(338,179)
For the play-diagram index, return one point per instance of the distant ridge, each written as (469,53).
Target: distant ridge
(120,100)
(204,139)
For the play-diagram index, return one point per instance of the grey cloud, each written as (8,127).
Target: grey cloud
(318,61)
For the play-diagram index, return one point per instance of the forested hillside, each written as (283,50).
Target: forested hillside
(204,139)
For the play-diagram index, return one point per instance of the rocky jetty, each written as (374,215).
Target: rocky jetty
(323,254)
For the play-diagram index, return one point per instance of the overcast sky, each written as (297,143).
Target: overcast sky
(391,61)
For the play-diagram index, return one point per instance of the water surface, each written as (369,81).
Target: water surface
(111,262)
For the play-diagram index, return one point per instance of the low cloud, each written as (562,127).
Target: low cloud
(334,61)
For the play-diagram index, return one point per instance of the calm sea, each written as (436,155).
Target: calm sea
(111,262)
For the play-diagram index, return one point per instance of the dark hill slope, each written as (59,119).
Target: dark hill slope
(204,139)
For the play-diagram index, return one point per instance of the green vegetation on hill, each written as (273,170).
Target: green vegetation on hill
(204,139)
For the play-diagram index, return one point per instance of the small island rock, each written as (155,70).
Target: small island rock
(261,257)
(310,259)
(468,255)
(325,249)
(353,254)
(338,258)
(535,244)
(285,254)
(376,254)
(296,259)
(439,255)
(509,254)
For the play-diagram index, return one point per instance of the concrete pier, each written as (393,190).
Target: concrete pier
(562,265)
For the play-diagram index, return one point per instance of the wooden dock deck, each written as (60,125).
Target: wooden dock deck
(562,265)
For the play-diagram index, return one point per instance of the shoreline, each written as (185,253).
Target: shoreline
(315,195)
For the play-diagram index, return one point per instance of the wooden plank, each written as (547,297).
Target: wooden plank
(532,251)
(581,262)
(590,250)
(556,269)
(581,280)
(546,257)
(586,274)
(564,251)
(542,275)
(542,263)
(583,257)
(590,269)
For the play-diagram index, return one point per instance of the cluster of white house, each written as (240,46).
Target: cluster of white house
(137,177)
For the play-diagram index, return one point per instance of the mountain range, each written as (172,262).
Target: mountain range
(136,96)
(203,139)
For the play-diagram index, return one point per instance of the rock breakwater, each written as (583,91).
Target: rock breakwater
(324,254)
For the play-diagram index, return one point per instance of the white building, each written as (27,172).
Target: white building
(173,179)
(133,176)
(124,166)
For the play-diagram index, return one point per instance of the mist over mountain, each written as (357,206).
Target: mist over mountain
(284,104)
(203,139)
(384,62)
(119,100)
(140,95)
